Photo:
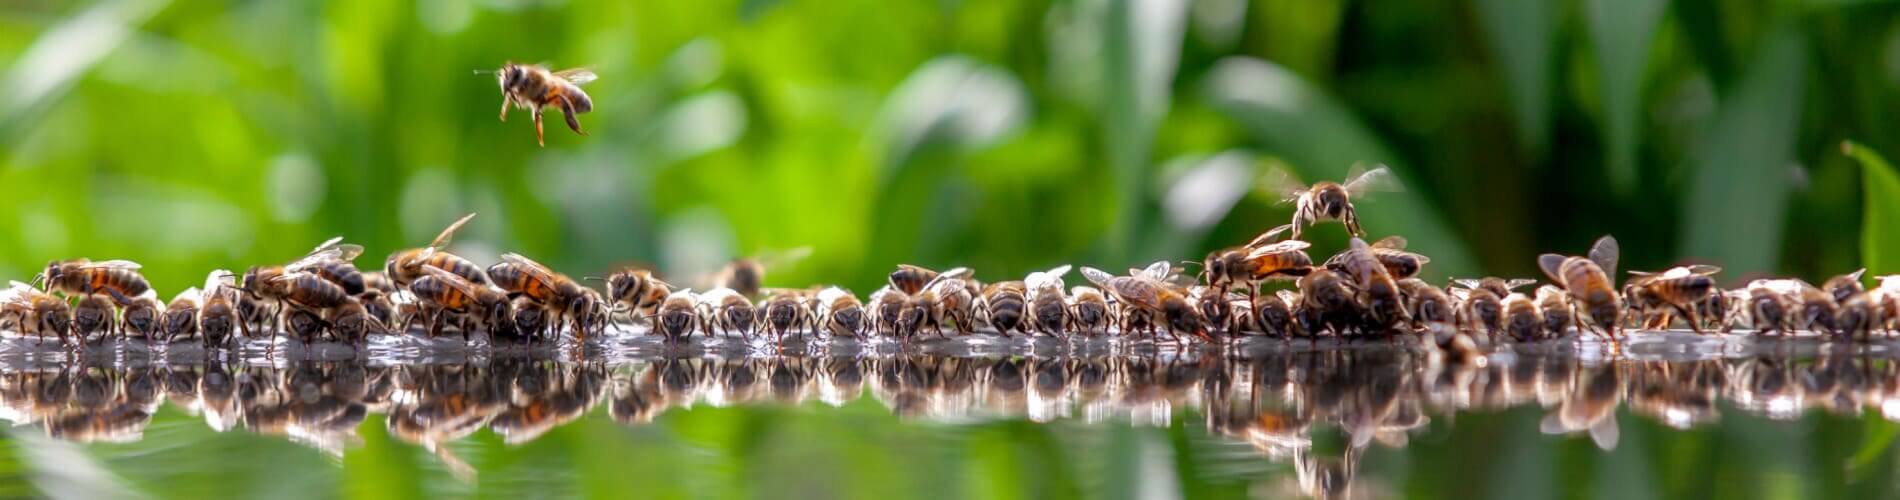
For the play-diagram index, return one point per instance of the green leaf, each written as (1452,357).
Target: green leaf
(1739,194)
(1880,224)
(1622,31)
(1521,33)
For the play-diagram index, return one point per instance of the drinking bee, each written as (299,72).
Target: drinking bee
(1768,307)
(1378,293)
(1260,260)
(1390,252)
(1004,305)
(1680,288)
(30,311)
(118,279)
(1273,315)
(351,322)
(1148,291)
(309,297)
(180,319)
(887,312)
(1592,292)
(140,318)
(443,294)
(1215,308)
(1522,319)
(1088,309)
(949,298)
(535,88)
(219,315)
(636,292)
(1428,305)
(1327,302)
(405,266)
(784,311)
(1857,316)
(911,279)
(94,314)
(1483,301)
(678,316)
(1326,200)
(530,320)
(566,299)
(1844,286)
(731,311)
(840,312)
(334,261)
(1048,306)
(1555,305)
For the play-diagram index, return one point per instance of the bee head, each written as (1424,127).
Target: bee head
(1333,200)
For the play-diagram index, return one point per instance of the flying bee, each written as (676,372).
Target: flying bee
(1522,320)
(784,311)
(180,319)
(566,299)
(1390,252)
(887,312)
(1680,288)
(1004,305)
(840,312)
(1377,290)
(1260,260)
(141,317)
(405,266)
(1326,200)
(678,316)
(1768,307)
(1088,309)
(94,314)
(1048,306)
(1483,301)
(731,312)
(636,292)
(118,279)
(1428,305)
(1555,305)
(1327,302)
(1272,315)
(33,312)
(1588,280)
(1149,291)
(1844,286)
(535,88)
(443,294)
(219,315)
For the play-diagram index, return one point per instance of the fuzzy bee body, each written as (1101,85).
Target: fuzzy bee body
(534,88)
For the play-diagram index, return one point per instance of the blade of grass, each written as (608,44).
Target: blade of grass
(1522,33)
(1739,194)
(1622,31)
(1880,223)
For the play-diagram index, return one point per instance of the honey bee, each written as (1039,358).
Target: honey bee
(1215,308)
(94,314)
(535,88)
(678,316)
(1003,304)
(1149,292)
(1377,290)
(334,261)
(1428,305)
(30,311)
(378,304)
(840,312)
(567,299)
(1680,288)
(140,318)
(118,279)
(783,312)
(1857,316)
(1272,315)
(530,319)
(637,292)
(1483,302)
(949,298)
(352,322)
(731,311)
(1522,320)
(1815,309)
(308,296)
(1768,307)
(1588,280)
(887,312)
(1555,305)
(180,319)
(1888,302)
(443,293)
(1260,260)
(1048,306)
(1327,302)
(1326,200)
(404,267)
(1390,252)
(1088,309)
(747,275)
(911,279)
(219,315)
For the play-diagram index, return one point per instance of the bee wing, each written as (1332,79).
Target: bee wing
(1283,184)
(1158,271)
(783,258)
(1605,253)
(1466,283)
(1461,294)
(958,273)
(192,294)
(1518,283)
(1853,275)
(220,279)
(1270,235)
(1097,276)
(113,264)
(577,76)
(1047,279)
(1553,265)
(1361,181)
(1393,242)
(1277,248)
(1288,296)
(448,233)
(455,281)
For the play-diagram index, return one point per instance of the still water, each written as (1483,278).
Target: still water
(1670,415)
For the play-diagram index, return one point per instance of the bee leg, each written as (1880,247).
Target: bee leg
(505,101)
(538,137)
(567,111)
(1693,316)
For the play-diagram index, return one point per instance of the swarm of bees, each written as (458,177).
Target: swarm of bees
(1268,286)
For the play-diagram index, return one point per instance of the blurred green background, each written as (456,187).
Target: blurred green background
(1007,136)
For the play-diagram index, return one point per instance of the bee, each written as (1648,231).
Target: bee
(1768,307)
(888,306)
(380,282)
(180,319)
(783,312)
(1844,286)
(140,318)
(747,275)
(94,314)
(1390,252)
(530,318)
(1003,304)
(1555,305)
(1260,260)
(840,312)
(534,88)
(30,311)
(566,299)
(731,311)
(1215,309)
(219,314)
(404,267)
(1857,315)
(1714,310)
(1272,315)
(1427,304)
(1484,302)
(1048,306)
(637,292)
(678,315)
(1326,200)
(309,297)
(950,298)
(911,279)
(1588,280)
(1327,302)
(1888,301)
(1149,292)
(118,279)
(1522,320)
(1088,309)
(1377,290)
(378,305)
(1815,309)
(1680,288)
(352,322)
(253,314)
(334,261)
(443,293)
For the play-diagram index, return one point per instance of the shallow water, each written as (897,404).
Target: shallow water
(1664,414)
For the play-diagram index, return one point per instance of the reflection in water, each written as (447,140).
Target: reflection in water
(1274,405)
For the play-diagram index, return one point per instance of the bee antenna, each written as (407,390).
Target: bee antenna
(593,278)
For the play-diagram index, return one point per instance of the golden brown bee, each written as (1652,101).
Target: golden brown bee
(32,312)
(1327,302)
(1272,315)
(1555,305)
(1088,310)
(530,319)
(747,275)
(118,279)
(1588,280)
(443,293)
(1483,302)
(1326,200)
(1048,306)
(352,323)
(731,312)
(637,292)
(180,319)
(567,299)
(1004,305)
(1768,307)
(378,281)
(534,88)
(405,266)
(840,312)
(1679,288)
(219,315)
(1428,305)
(1390,252)
(1378,292)
(887,311)
(308,296)
(94,314)
(1857,316)
(378,304)
(948,298)
(1150,292)
(1816,310)
(1260,260)
(333,261)
(140,318)
(1216,309)
(1844,286)
(1522,320)
(678,316)
(784,311)
(911,279)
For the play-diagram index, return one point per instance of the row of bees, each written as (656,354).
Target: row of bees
(1273,406)
(1370,289)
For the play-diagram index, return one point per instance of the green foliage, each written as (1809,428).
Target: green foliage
(1880,229)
